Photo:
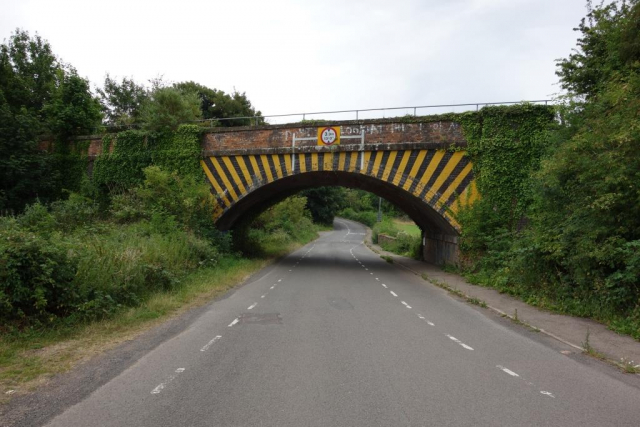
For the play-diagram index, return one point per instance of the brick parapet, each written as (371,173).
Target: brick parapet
(376,133)
(379,134)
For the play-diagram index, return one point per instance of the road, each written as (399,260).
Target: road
(335,336)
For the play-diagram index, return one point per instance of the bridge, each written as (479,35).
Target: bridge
(419,165)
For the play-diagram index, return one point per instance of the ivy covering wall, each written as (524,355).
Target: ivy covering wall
(505,144)
(126,154)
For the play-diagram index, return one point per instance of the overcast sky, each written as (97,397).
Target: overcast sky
(294,56)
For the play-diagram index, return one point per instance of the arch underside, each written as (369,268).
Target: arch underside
(427,184)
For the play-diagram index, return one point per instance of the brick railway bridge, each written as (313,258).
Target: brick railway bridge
(419,166)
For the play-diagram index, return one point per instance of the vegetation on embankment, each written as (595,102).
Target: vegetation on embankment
(86,263)
(363,207)
(75,279)
(563,232)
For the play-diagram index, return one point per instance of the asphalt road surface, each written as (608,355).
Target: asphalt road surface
(335,336)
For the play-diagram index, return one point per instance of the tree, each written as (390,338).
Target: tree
(122,102)
(167,107)
(72,109)
(38,95)
(324,203)
(610,43)
(216,104)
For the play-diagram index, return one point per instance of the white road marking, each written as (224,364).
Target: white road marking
(158,389)
(430,323)
(371,274)
(279,280)
(508,371)
(461,343)
(289,270)
(405,304)
(547,393)
(206,347)
(393,293)
(384,286)
(377,279)
(421,316)
(252,306)
(236,320)
(262,296)
(272,287)
(161,386)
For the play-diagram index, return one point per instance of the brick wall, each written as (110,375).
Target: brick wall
(438,133)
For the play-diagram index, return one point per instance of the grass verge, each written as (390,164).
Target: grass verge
(28,359)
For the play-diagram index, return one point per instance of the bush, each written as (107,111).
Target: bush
(76,211)
(36,218)
(36,277)
(282,224)
(126,264)
(368,218)
(403,244)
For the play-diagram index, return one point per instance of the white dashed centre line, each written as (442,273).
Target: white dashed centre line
(460,342)
(508,371)
(236,320)
(262,296)
(547,393)
(430,323)
(252,306)
(384,286)
(206,347)
(393,293)
(161,386)
(405,304)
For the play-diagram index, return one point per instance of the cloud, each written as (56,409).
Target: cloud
(309,56)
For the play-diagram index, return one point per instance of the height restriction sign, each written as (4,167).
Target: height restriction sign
(329,136)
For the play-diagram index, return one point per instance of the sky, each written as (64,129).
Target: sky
(307,56)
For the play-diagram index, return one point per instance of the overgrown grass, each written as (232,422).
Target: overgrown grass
(403,243)
(30,356)
(408,227)
(558,301)
(75,281)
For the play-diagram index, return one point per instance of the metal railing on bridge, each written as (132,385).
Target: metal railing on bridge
(359,114)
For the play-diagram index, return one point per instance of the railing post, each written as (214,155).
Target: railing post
(414,112)
(356,114)
(293,154)
(362,150)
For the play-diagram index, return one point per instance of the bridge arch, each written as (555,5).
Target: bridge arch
(427,183)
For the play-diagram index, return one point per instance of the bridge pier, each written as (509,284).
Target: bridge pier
(439,248)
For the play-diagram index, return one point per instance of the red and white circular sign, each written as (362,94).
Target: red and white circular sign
(328,136)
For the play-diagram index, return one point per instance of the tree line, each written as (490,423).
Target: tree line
(40,95)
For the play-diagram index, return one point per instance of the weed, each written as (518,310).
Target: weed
(387,258)
(476,301)
(629,366)
(588,348)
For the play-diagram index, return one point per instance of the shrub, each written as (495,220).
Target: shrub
(36,277)
(368,218)
(76,211)
(36,218)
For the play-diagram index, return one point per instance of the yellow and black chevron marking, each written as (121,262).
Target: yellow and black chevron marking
(438,177)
